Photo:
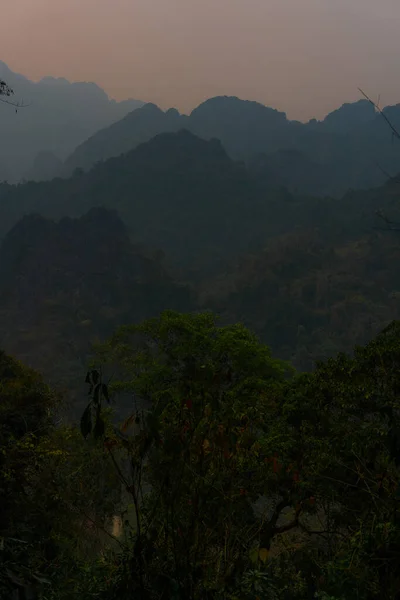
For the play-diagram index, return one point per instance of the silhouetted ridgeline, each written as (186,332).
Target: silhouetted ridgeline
(60,115)
(348,149)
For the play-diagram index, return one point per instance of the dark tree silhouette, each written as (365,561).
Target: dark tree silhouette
(5,96)
(5,89)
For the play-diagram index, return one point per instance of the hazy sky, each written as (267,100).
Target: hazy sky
(305,57)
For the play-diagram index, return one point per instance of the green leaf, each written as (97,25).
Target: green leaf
(41,579)
(99,428)
(104,389)
(86,421)
(96,394)
(263,554)
(95,375)
(253,555)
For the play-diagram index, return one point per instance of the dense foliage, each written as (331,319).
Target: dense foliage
(232,477)
(220,472)
(56,492)
(310,299)
(248,484)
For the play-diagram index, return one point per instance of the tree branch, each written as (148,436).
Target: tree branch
(292,525)
(7,92)
(380,111)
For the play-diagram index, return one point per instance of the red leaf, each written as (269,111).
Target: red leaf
(277,465)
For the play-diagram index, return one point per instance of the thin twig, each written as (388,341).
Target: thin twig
(388,175)
(15,104)
(380,111)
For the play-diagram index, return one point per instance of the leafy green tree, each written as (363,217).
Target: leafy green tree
(26,405)
(57,494)
(246,483)
(347,419)
(203,453)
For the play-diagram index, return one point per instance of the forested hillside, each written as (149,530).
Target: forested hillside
(200,305)
(204,464)
(311,276)
(309,298)
(65,285)
(187,197)
(176,192)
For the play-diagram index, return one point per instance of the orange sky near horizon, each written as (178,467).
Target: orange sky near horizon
(305,57)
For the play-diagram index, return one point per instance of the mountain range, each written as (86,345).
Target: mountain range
(69,126)
(194,229)
(351,148)
(186,196)
(176,192)
(58,116)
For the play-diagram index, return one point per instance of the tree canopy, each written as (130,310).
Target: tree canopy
(248,482)
(5,90)
(231,476)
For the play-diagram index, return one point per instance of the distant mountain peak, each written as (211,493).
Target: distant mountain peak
(182,145)
(230,103)
(61,115)
(10,75)
(150,107)
(349,116)
(172,112)
(54,80)
(3,67)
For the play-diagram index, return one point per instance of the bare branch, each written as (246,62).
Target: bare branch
(390,225)
(16,104)
(388,175)
(6,92)
(380,111)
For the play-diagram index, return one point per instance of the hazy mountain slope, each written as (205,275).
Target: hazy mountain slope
(186,196)
(308,298)
(350,148)
(62,285)
(242,126)
(176,192)
(60,116)
(323,280)
(347,118)
(135,128)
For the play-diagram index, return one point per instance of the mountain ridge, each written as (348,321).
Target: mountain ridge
(65,284)
(346,145)
(58,116)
